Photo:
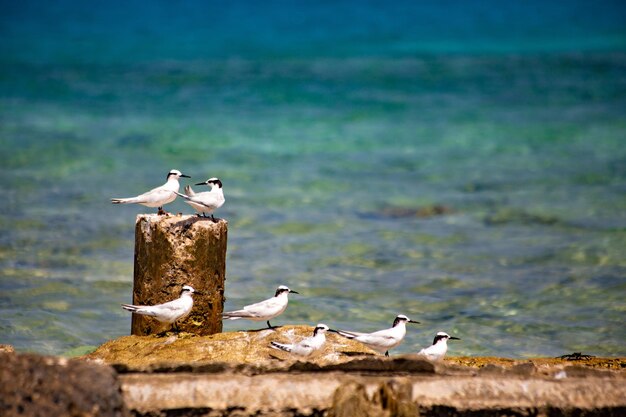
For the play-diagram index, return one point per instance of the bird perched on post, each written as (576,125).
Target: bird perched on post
(382,340)
(169,312)
(157,197)
(264,310)
(310,346)
(207,202)
(438,349)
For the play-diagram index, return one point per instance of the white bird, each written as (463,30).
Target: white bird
(382,340)
(310,346)
(159,196)
(207,202)
(169,312)
(438,349)
(264,310)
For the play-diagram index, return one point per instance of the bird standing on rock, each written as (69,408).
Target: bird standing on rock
(263,310)
(306,347)
(169,312)
(438,349)
(382,340)
(207,202)
(159,196)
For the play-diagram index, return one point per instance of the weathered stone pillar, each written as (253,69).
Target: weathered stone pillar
(172,251)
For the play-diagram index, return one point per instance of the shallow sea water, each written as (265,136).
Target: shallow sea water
(478,188)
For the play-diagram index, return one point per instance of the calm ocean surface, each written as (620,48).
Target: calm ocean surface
(461,163)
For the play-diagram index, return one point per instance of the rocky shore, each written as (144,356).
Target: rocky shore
(237,374)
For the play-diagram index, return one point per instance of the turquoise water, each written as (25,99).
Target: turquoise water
(464,165)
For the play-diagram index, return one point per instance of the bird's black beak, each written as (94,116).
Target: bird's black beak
(295,292)
(413,321)
(185,176)
(201,183)
(332,330)
(454,338)
(198,292)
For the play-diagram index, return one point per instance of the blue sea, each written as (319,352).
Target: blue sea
(463,163)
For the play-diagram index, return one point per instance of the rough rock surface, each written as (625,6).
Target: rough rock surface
(245,347)
(171,251)
(33,385)
(7,348)
(539,364)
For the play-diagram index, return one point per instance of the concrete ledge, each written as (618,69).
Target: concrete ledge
(297,394)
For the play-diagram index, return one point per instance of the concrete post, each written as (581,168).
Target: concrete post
(172,251)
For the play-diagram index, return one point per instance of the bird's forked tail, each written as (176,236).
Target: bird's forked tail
(130,307)
(188,191)
(122,200)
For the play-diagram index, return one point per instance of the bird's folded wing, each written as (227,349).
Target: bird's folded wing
(239,313)
(383,334)
(377,339)
(171,305)
(157,194)
(263,306)
(306,344)
(208,202)
(147,311)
